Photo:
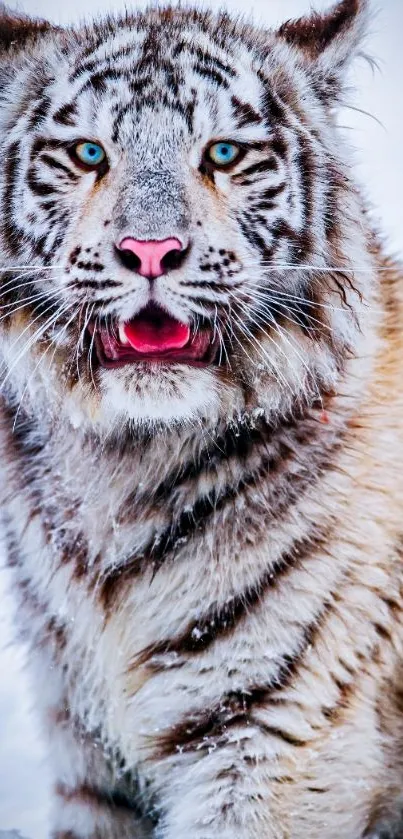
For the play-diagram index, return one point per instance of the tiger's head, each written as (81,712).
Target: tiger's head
(179,234)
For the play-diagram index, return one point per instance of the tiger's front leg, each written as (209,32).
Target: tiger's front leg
(89,812)
(90,800)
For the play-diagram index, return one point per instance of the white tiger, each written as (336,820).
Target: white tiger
(201,424)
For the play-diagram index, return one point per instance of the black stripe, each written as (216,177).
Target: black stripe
(40,112)
(266,200)
(108,799)
(213,285)
(138,85)
(12,546)
(200,730)
(220,622)
(262,167)
(24,437)
(98,81)
(336,184)
(115,56)
(273,108)
(192,523)
(56,164)
(237,441)
(38,247)
(251,234)
(185,110)
(48,204)
(299,244)
(51,213)
(100,304)
(11,232)
(271,192)
(203,57)
(117,123)
(96,267)
(86,67)
(207,58)
(97,284)
(279,146)
(46,143)
(307,170)
(97,38)
(211,74)
(66,114)
(39,187)
(244,112)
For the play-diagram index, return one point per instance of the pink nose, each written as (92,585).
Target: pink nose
(150,254)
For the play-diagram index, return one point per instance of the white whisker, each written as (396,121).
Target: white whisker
(45,295)
(40,361)
(269,337)
(41,331)
(91,349)
(13,285)
(253,340)
(267,290)
(310,318)
(5,268)
(80,342)
(320,269)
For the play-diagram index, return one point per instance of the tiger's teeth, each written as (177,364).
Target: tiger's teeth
(122,335)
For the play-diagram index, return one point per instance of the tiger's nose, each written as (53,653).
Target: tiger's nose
(151,258)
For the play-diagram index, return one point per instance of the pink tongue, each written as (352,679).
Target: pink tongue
(160,334)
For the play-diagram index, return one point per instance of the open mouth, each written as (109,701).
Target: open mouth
(153,335)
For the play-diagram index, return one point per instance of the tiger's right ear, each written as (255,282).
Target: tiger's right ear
(17,31)
(328,41)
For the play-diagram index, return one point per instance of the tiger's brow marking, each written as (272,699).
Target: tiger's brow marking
(66,114)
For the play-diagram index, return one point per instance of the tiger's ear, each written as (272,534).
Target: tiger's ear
(16,31)
(329,40)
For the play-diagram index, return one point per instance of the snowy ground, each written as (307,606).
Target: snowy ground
(10,834)
(24,780)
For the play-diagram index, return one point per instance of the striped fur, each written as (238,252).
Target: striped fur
(207,560)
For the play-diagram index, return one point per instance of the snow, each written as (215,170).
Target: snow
(11,834)
(24,777)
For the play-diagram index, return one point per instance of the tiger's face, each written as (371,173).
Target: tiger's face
(178,232)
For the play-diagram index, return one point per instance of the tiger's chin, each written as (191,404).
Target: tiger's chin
(151,396)
(162,395)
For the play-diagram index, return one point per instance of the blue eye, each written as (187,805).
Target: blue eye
(221,154)
(91,154)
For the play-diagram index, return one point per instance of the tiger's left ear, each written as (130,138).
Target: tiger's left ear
(329,41)
(17,30)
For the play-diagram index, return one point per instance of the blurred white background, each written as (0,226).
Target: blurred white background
(24,782)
